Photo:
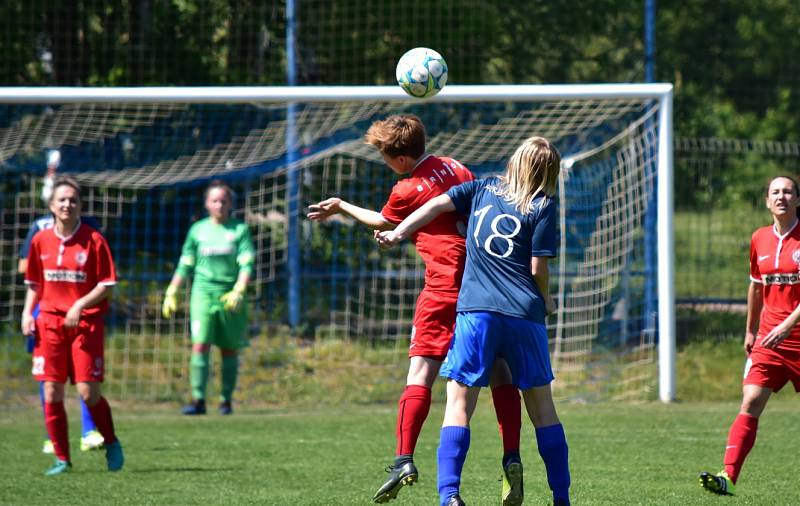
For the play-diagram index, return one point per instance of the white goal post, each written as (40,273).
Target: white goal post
(659,95)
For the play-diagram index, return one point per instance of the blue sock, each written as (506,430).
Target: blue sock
(41,399)
(553,449)
(452,452)
(87,423)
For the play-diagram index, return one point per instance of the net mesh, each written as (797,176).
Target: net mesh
(144,167)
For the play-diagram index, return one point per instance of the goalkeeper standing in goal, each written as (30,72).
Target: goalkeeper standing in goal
(218,252)
(401,141)
(502,305)
(772,336)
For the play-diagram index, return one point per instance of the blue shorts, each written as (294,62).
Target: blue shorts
(481,337)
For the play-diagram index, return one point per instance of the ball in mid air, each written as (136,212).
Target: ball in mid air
(421,72)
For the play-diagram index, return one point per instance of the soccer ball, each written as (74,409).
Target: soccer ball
(421,72)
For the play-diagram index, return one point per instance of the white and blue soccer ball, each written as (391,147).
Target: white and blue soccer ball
(421,72)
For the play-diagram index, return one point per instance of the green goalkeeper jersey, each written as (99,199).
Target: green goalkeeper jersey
(216,253)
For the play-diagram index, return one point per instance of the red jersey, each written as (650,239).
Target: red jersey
(775,263)
(440,243)
(67,268)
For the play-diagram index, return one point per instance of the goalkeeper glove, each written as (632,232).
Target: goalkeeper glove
(170,302)
(233,300)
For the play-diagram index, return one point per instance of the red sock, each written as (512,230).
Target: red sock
(741,439)
(55,419)
(413,409)
(509,415)
(101,414)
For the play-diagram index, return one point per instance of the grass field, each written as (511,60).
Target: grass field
(620,454)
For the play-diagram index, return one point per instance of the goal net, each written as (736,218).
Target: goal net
(322,291)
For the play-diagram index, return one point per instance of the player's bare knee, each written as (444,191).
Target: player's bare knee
(754,400)
(421,379)
(89,393)
(53,392)
(423,371)
(753,406)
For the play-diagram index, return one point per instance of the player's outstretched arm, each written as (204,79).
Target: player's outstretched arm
(327,208)
(416,220)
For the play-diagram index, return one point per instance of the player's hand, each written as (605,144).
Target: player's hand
(387,239)
(749,341)
(28,324)
(170,304)
(776,336)
(324,210)
(73,316)
(232,300)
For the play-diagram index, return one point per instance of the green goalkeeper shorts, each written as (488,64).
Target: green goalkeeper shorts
(212,324)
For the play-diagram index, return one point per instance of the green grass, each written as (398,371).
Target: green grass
(620,454)
(711,370)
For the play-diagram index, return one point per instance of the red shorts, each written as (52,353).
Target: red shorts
(60,353)
(434,322)
(772,368)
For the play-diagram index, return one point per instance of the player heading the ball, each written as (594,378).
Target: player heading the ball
(401,141)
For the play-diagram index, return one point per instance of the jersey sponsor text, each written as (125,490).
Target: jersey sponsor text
(791,278)
(222,249)
(65,276)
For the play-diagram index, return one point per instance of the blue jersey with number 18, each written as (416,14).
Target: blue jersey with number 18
(500,243)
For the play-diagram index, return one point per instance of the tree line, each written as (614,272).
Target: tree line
(733,62)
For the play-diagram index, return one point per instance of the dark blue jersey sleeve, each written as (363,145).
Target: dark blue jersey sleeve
(544,240)
(463,194)
(26,246)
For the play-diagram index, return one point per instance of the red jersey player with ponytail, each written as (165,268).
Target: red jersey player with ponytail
(401,141)
(772,336)
(70,274)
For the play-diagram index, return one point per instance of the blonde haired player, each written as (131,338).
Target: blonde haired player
(502,305)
